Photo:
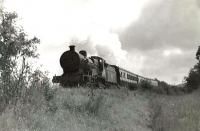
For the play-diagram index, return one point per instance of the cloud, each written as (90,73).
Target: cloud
(162,24)
(171,68)
(158,42)
(104,44)
(167,35)
(107,45)
(169,52)
(91,22)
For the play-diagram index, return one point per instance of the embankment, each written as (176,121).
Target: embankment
(176,112)
(80,109)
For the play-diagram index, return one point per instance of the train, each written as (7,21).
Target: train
(79,69)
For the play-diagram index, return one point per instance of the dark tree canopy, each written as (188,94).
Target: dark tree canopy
(15,49)
(13,39)
(14,42)
(193,79)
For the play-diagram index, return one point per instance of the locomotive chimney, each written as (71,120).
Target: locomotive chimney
(72,48)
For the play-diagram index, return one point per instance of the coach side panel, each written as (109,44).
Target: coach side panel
(127,77)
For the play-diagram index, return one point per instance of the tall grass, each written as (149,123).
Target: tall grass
(79,109)
(176,113)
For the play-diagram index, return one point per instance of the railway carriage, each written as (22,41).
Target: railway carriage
(127,78)
(79,69)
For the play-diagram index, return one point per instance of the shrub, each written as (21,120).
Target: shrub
(133,86)
(145,85)
(193,79)
(175,113)
(94,104)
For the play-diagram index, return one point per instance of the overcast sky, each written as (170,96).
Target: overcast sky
(154,38)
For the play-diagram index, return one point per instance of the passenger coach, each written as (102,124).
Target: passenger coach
(78,69)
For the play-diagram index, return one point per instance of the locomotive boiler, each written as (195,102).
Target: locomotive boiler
(78,69)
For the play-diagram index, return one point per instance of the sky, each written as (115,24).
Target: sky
(152,38)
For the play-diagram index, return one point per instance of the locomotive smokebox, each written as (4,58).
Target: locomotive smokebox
(70,60)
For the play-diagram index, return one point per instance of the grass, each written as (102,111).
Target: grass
(83,109)
(80,109)
(176,113)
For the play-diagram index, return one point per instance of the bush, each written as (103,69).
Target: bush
(133,86)
(175,113)
(145,85)
(193,79)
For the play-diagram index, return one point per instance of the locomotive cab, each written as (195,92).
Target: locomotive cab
(100,62)
(79,69)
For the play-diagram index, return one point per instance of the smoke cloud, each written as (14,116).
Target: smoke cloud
(155,38)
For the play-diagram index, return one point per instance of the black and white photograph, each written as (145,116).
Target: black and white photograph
(99,65)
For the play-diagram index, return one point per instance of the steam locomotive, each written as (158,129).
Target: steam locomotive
(78,69)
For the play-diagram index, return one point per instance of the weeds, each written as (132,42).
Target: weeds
(176,113)
(76,109)
(144,85)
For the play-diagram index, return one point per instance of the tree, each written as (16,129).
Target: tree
(15,50)
(198,54)
(193,79)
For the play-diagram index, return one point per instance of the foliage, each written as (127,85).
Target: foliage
(193,79)
(16,49)
(146,85)
(198,54)
(175,113)
(133,86)
(77,109)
